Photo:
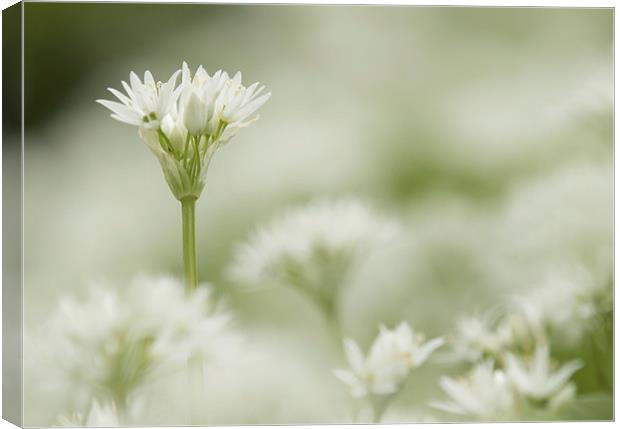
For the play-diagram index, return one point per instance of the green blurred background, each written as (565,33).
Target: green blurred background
(488,132)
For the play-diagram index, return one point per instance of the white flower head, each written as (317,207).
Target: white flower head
(145,103)
(184,125)
(475,338)
(112,344)
(402,344)
(566,303)
(484,393)
(311,247)
(239,104)
(479,338)
(535,379)
(393,355)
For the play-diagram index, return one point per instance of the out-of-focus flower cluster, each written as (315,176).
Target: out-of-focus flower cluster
(512,375)
(523,389)
(312,248)
(112,346)
(567,305)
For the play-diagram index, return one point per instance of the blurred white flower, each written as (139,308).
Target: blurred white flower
(112,344)
(566,306)
(566,303)
(183,126)
(477,339)
(484,393)
(102,415)
(311,248)
(535,379)
(563,217)
(393,354)
(99,415)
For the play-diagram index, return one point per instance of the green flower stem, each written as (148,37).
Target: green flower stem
(379,405)
(188,209)
(330,311)
(196,388)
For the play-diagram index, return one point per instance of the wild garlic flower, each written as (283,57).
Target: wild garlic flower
(184,125)
(564,307)
(477,339)
(485,393)
(393,354)
(112,344)
(535,379)
(566,304)
(146,103)
(311,248)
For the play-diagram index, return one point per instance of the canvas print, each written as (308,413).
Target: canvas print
(313,214)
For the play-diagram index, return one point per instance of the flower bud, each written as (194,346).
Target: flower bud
(195,115)
(174,131)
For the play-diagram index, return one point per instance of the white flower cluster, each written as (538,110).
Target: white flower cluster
(567,303)
(393,354)
(535,379)
(565,307)
(512,376)
(311,247)
(183,125)
(476,339)
(112,344)
(491,393)
(484,393)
